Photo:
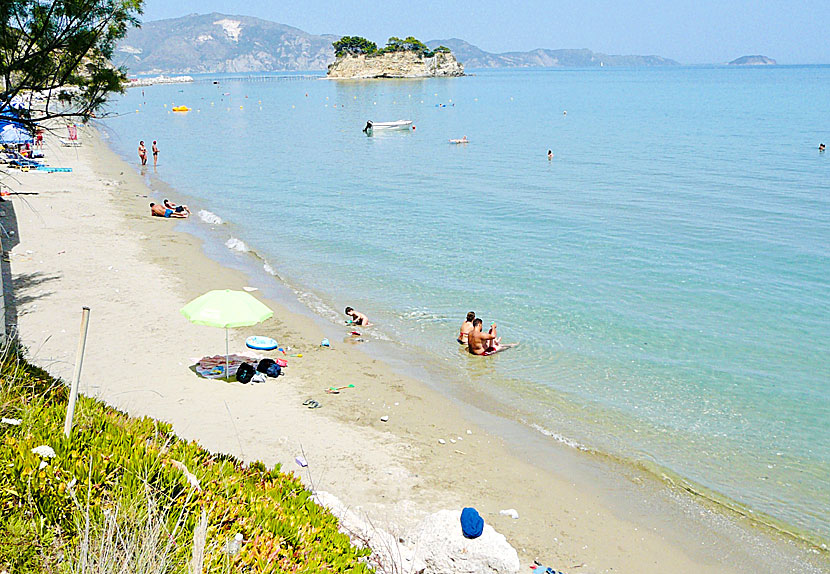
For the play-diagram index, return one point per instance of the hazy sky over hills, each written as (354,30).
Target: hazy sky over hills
(689,31)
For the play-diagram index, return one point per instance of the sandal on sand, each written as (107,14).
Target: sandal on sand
(314,405)
(308,402)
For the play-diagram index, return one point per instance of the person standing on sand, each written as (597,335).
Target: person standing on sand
(155,154)
(550,155)
(142,152)
(466,327)
(479,343)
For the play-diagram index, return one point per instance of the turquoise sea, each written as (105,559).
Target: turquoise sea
(667,273)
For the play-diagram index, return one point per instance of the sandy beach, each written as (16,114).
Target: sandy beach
(86,239)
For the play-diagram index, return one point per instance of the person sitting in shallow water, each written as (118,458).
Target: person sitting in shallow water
(157,210)
(479,343)
(177,208)
(358,318)
(466,327)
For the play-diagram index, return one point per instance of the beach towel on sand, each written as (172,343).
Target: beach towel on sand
(472,525)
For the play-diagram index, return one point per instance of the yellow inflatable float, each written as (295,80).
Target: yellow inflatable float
(181,109)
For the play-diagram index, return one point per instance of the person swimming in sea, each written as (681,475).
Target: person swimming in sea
(358,318)
(821,147)
(550,155)
(466,327)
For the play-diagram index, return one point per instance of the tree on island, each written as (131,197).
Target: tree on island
(354,46)
(62,48)
(357,46)
(410,44)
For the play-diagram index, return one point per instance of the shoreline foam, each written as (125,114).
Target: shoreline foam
(389,469)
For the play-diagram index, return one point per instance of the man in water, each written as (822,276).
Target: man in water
(479,343)
(466,327)
(161,211)
(155,154)
(821,147)
(142,152)
(358,318)
(550,155)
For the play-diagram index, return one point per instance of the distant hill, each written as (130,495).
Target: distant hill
(206,43)
(219,43)
(474,57)
(753,61)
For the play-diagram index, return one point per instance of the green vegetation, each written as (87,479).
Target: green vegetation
(126,495)
(64,46)
(355,45)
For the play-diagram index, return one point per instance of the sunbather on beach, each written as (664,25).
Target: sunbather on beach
(479,343)
(177,208)
(358,318)
(161,211)
(466,327)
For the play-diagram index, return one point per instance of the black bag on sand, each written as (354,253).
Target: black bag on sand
(245,373)
(262,366)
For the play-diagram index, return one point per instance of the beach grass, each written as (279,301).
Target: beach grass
(125,494)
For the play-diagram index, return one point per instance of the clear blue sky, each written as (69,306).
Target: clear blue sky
(692,32)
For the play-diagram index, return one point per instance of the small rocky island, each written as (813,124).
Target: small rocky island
(753,61)
(358,58)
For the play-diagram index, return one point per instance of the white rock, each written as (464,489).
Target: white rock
(511,512)
(441,441)
(384,418)
(443,548)
(469,431)
(435,546)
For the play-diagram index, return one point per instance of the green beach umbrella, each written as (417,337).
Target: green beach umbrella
(226,309)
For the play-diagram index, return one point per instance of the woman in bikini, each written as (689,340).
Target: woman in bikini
(466,327)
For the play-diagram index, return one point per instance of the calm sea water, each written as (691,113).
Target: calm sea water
(667,273)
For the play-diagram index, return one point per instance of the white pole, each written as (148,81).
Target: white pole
(76,377)
(227,355)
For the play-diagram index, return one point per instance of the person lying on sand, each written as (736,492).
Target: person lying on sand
(358,318)
(479,343)
(161,211)
(177,208)
(466,327)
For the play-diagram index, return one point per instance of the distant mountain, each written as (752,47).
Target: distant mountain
(753,61)
(212,43)
(474,57)
(203,43)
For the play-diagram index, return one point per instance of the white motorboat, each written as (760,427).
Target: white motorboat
(398,125)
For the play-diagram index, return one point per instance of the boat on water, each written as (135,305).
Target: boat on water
(398,125)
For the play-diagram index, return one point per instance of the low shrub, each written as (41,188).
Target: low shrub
(116,472)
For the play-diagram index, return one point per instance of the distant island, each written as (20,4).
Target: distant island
(222,43)
(358,58)
(753,61)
